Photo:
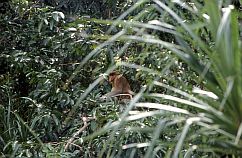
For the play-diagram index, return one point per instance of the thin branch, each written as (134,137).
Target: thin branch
(85,120)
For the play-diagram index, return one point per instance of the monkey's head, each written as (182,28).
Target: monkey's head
(112,76)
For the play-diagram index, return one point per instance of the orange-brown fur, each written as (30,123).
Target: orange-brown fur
(120,86)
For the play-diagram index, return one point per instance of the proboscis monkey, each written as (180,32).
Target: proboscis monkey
(120,87)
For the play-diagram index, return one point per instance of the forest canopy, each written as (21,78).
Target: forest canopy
(182,61)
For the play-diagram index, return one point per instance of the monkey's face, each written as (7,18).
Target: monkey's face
(112,76)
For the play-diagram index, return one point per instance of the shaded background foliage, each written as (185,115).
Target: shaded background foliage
(42,44)
(94,8)
(38,54)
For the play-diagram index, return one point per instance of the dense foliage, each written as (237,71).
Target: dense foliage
(183,59)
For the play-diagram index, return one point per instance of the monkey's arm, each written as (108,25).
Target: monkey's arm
(131,92)
(117,89)
(113,93)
